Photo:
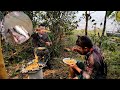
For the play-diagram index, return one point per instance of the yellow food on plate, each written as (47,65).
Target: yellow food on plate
(32,66)
(41,48)
(71,61)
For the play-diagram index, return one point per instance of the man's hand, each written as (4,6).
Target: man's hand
(48,43)
(75,78)
(74,48)
(74,66)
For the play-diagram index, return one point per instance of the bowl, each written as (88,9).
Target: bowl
(69,61)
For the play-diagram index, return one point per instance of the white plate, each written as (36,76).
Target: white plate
(65,59)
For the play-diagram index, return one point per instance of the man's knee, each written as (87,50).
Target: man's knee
(80,64)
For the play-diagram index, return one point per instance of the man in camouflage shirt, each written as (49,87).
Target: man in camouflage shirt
(93,67)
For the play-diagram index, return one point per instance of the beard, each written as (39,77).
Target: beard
(80,53)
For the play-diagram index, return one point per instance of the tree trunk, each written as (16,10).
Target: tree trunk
(3,73)
(86,26)
(104,27)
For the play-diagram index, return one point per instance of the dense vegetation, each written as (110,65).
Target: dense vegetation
(62,25)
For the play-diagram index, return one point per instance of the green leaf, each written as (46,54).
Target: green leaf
(109,13)
(94,23)
(93,20)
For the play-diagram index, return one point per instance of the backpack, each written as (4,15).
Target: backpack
(103,63)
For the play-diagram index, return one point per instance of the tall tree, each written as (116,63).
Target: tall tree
(107,14)
(86,25)
(59,22)
(104,26)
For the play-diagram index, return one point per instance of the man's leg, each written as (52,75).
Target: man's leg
(46,55)
(73,72)
(47,58)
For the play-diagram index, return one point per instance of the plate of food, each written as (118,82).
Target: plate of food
(32,67)
(69,61)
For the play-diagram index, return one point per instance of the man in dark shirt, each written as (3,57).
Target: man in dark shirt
(41,39)
(93,67)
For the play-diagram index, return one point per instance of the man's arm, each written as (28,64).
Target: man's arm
(47,40)
(74,66)
(89,69)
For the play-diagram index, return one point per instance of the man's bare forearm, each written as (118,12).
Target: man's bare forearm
(78,69)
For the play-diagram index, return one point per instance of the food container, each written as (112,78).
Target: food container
(69,61)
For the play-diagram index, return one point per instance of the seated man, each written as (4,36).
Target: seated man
(41,39)
(93,67)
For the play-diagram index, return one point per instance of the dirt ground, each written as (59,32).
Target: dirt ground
(58,70)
